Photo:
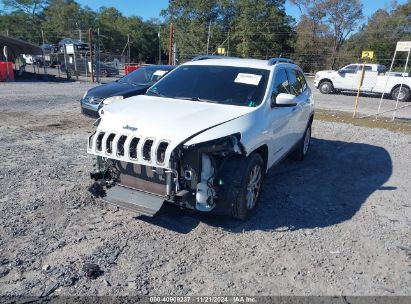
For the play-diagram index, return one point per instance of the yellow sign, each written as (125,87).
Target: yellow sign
(221,51)
(367,55)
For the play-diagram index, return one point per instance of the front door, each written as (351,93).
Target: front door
(346,78)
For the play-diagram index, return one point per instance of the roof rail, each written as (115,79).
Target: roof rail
(273,61)
(204,57)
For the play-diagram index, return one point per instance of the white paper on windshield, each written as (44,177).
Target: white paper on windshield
(159,73)
(252,79)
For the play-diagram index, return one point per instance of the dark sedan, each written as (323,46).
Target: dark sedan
(135,83)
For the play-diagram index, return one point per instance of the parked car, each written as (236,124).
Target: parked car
(105,69)
(80,45)
(203,136)
(134,83)
(376,80)
(49,48)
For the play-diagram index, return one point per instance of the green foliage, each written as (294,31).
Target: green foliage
(324,37)
(381,33)
(247,28)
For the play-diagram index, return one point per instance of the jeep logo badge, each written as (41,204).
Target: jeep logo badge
(127,127)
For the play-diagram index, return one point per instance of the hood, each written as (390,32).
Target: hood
(326,72)
(116,89)
(162,119)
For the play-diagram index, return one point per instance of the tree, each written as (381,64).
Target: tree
(25,17)
(262,28)
(29,7)
(343,17)
(192,20)
(381,33)
(329,23)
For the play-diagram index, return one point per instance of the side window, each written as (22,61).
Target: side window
(295,84)
(301,78)
(351,69)
(367,68)
(281,84)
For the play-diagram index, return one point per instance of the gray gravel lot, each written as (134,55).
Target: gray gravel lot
(338,223)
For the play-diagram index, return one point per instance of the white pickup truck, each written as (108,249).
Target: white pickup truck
(376,80)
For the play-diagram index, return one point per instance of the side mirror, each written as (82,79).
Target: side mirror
(284,100)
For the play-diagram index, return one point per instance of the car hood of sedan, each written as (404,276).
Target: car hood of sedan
(116,89)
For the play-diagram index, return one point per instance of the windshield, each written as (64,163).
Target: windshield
(218,84)
(145,75)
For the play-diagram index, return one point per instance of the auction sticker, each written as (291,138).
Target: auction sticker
(159,73)
(252,79)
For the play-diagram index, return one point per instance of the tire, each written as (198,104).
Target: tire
(326,87)
(104,73)
(303,145)
(245,202)
(404,96)
(69,74)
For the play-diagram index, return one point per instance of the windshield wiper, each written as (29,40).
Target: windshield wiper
(196,99)
(155,93)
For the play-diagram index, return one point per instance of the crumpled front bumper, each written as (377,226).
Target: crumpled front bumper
(90,109)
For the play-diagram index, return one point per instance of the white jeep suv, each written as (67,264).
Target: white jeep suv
(203,137)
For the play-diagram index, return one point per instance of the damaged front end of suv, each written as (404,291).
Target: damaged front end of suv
(140,173)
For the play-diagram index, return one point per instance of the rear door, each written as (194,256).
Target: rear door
(301,111)
(370,78)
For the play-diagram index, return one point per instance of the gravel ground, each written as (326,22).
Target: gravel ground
(338,223)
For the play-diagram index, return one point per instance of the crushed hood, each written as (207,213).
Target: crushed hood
(161,119)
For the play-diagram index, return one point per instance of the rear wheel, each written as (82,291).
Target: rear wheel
(402,95)
(245,203)
(303,146)
(326,87)
(69,73)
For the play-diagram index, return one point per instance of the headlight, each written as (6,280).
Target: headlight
(85,94)
(112,99)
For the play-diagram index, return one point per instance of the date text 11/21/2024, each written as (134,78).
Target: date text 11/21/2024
(202,299)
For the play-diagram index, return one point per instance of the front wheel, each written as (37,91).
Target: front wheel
(402,95)
(246,201)
(326,87)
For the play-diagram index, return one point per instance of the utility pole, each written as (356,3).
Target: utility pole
(128,49)
(228,43)
(208,36)
(170,48)
(174,53)
(90,46)
(97,58)
(159,45)
(42,36)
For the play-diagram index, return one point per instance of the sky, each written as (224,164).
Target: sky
(151,8)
